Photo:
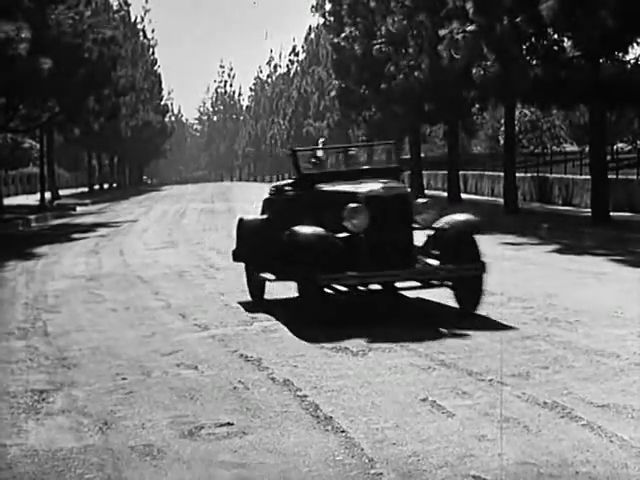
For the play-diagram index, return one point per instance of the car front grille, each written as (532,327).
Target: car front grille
(389,238)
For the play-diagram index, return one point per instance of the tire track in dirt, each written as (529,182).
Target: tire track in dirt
(40,277)
(563,332)
(160,225)
(558,409)
(143,280)
(437,407)
(567,324)
(315,411)
(606,357)
(355,352)
(568,413)
(145,230)
(628,411)
(306,404)
(45,362)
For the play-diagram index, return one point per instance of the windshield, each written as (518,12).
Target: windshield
(347,157)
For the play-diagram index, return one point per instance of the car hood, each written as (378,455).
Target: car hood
(364,187)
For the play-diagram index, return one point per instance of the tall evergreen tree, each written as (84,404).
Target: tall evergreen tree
(594,72)
(513,36)
(399,65)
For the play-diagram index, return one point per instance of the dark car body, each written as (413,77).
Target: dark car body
(302,233)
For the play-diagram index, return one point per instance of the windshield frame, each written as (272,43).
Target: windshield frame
(332,148)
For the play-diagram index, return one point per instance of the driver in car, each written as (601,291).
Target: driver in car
(317,159)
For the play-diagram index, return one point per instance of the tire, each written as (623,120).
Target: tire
(309,291)
(463,249)
(468,293)
(255,284)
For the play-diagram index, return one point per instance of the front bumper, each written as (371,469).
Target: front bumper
(426,270)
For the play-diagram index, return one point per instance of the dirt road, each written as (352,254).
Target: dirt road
(129,350)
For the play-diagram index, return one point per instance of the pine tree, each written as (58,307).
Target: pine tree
(593,71)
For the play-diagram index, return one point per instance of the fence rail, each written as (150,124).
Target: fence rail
(555,163)
(276,169)
(568,191)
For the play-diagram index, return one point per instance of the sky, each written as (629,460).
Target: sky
(194,35)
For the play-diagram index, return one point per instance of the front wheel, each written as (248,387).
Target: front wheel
(461,250)
(468,293)
(255,283)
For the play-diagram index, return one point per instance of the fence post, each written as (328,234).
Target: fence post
(580,154)
(42,166)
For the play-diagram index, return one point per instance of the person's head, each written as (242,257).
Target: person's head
(320,153)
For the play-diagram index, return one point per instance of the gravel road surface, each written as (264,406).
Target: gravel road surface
(130,350)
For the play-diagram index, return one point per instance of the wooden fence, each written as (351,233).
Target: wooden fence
(27,182)
(552,163)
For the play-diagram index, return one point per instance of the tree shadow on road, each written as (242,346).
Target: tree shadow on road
(23,245)
(567,233)
(375,317)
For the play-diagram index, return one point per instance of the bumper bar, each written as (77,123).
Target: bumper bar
(424,271)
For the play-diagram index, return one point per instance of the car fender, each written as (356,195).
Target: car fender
(254,239)
(312,247)
(458,223)
(448,231)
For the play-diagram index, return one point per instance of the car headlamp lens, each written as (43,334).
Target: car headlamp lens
(355,217)
(423,213)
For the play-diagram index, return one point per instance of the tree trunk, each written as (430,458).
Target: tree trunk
(120,166)
(127,174)
(598,163)
(42,168)
(51,165)
(1,191)
(135,175)
(416,182)
(346,134)
(510,183)
(90,179)
(113,178)
(100,168)
(453,161)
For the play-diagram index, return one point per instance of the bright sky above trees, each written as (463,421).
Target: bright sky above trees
(194,35)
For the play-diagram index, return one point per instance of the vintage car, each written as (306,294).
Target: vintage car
(346,222)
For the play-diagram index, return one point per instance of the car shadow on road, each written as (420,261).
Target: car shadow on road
(374,317)
(566,233)
(23,245)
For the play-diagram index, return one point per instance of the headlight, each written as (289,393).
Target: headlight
(355,217)
(423,213)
